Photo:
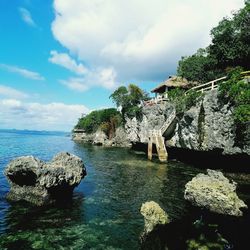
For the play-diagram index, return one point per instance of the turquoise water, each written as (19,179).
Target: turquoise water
(104,212)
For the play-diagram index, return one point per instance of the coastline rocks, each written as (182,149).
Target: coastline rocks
(41,183)
(214,192)
(208,126)
(121,138)
(99,138)
(153,215)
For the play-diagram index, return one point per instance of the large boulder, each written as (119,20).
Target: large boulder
(214,192)
(40,183)
(153,215)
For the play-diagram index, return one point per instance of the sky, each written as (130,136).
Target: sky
(64,58)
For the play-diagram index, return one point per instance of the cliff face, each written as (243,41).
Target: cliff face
(205,127)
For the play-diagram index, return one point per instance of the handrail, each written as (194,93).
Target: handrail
(206,84)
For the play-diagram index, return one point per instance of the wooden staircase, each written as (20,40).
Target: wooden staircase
(156,137)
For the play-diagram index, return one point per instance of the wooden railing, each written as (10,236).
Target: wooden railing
(207,86)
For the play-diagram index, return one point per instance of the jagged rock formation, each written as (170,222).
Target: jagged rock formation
(40,183)
(153,215)
(99,138)
(154,117)
(207,126)
(214,192)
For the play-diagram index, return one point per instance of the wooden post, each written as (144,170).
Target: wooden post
(213,85)
(150,147)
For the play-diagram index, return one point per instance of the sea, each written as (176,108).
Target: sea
(104,212)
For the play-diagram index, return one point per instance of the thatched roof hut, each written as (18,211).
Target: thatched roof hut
(172,82)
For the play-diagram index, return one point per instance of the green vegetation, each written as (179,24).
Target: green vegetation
(129,99)
(236,91)
(184,100)
(106,119)
(198,67)
(229,48)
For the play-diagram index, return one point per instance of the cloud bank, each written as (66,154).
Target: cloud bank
(36,116)
(137,39)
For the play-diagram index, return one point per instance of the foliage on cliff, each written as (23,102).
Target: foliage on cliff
(106,119)
(236,91)
(183,100)
(129,99)
(229,48)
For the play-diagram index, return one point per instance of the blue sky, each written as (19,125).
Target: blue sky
(59,59)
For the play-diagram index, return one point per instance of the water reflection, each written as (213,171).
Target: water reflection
(23,216)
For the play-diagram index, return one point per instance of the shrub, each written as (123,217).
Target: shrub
(236,91)
(105,119)
(184,100)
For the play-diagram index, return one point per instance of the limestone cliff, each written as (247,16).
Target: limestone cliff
(205,127)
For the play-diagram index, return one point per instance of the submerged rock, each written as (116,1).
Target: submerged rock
(40,183)
(154,216)
(214,192)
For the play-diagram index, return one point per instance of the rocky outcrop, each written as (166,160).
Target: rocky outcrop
(121,138)
(214,192)
(154,116)
(40,183)
(153,215)
(99,138)
(207,126)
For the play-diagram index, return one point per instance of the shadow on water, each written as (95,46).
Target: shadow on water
(200,229)
(24,216)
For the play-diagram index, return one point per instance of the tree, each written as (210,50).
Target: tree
(129,99)
(231,39)
(229,48)
(198,67)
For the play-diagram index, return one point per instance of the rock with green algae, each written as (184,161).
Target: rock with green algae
(154,215)
(214,192)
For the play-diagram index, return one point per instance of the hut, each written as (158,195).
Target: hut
(171,83)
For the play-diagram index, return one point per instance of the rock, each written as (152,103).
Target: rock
(40,183)
(154,215)
(214,192)
(208,126)
(121,138)
(99,138)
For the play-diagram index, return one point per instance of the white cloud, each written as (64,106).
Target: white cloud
(67,62)
(77,84)
(26,17)
(23,72)
(31,115)
(11,92)
(104,77)
(139,39)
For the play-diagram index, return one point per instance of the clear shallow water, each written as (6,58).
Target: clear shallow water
(104,212)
